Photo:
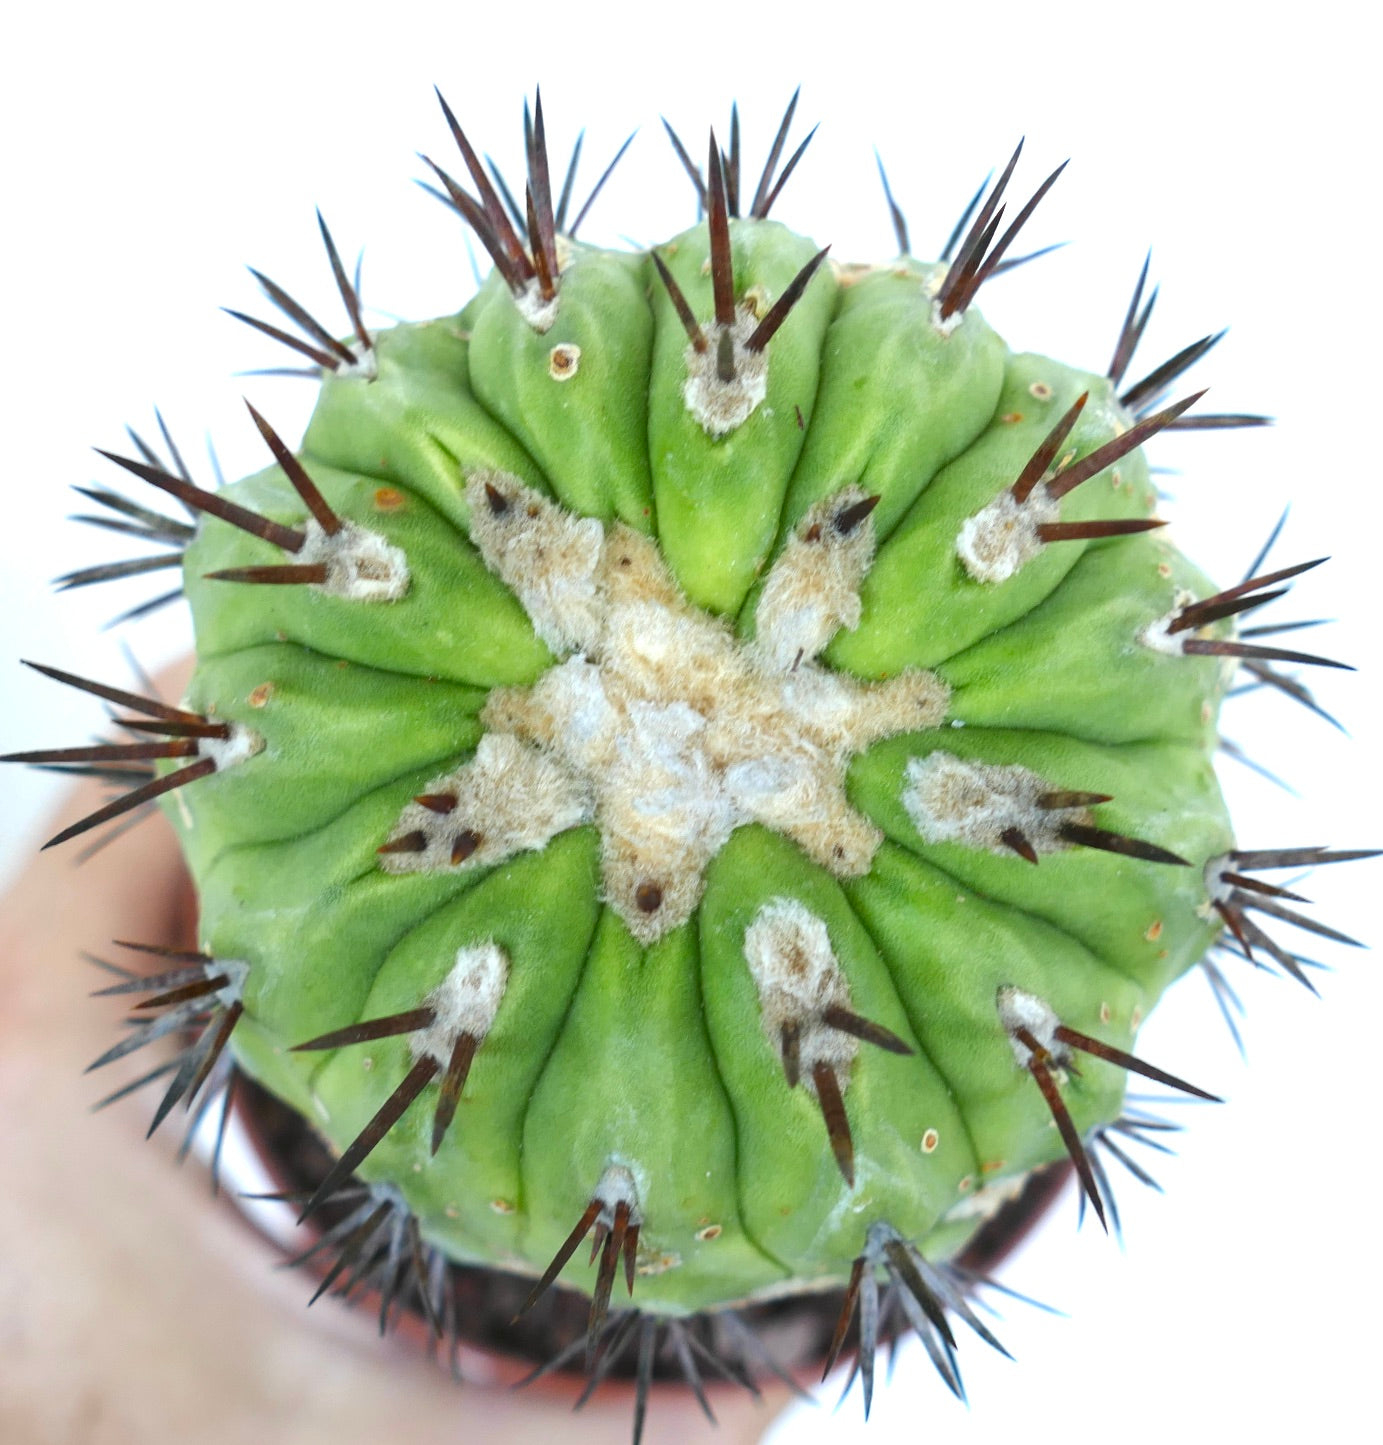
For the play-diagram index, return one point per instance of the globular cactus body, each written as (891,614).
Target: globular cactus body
(703,750)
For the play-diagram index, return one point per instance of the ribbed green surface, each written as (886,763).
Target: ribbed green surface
(604,1051)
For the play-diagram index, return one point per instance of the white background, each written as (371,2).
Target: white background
(152,150)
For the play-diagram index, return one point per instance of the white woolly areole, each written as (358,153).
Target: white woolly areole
(538,310)
(365,366)
(721,406)
(1019,1009)
(1215,885)
(465,1002)
(798,977)
(813,589)
(617,1187)
(662,726)
(508,799)
(226,752)
(957,800)
(1158,635)
(546,555)
(236,971)
(944,324)
(996,542)
(361,565)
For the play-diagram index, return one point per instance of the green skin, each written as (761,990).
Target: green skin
(604,1051)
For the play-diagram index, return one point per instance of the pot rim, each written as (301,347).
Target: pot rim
(496,1364)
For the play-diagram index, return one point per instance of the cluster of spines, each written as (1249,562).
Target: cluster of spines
(1235,894)
(373,1249)
(978,259)
(723,284)
(726,360)
(1135,1126)
(1178,631)
(728,164)
(128,518)
(191,739)
(317,343)
(1043,1045)
(201,999)
(291,540)
(424,1071)
(824,1080)
(521,244)
(923,1293)
(1143,395)
(613,1216)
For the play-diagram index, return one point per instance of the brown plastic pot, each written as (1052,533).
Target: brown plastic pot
(496,1350)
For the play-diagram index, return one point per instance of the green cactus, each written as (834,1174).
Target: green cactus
(703,750)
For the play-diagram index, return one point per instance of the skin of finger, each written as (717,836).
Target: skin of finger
(133,1307)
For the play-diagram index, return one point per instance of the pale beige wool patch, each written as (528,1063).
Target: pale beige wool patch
(795,969)
(814,588)
(361,566)
(958,800)
(465,1002)
(721,405)
(507,799)
(659,725)
(1002,537)
(1019,1009)
(546,555)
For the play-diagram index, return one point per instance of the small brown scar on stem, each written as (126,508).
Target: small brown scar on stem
(649,897)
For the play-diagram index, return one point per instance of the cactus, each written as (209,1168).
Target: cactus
(705,753)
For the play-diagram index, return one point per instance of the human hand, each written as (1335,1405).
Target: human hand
(134,1308)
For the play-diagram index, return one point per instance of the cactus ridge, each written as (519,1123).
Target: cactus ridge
(705,778)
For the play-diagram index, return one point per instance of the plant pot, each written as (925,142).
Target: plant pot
(488,1342)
